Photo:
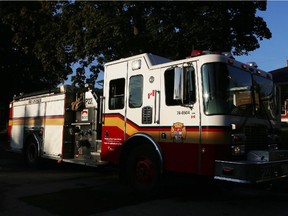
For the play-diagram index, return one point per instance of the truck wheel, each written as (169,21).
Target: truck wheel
(31,153)
(143,169)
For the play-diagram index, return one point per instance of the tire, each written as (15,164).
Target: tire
(31,153)
(143,170)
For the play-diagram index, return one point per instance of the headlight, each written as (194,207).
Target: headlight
(238,150)
(238,144)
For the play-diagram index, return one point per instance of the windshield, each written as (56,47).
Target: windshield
(229,91)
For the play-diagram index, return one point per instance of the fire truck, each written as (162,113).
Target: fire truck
(205,115)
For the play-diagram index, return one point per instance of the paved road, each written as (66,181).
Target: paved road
(67,189)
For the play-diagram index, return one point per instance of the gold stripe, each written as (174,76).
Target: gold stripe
(112,121)
(130,130)
(36,121)
(220,137)
(209,137)
(58,121)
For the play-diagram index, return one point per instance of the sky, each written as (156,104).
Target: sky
(273,53)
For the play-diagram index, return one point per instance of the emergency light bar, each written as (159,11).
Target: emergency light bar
(195,53)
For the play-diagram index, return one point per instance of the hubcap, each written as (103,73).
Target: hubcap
(144,171)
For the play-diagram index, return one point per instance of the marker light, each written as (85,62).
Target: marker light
(230,61)
(227,54)
(252,64)
(136,64)
(244,66)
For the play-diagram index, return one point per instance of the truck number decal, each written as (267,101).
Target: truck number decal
(183,112)
(88,101)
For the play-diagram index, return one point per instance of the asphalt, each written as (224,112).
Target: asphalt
(68,190)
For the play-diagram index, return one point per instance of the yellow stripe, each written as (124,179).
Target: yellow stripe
(16,122)
(118,122)
(112,121)
(59,121)
(130,130)
(210,137)
(36,121)
(220,137)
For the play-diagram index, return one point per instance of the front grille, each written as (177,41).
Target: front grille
(256,137)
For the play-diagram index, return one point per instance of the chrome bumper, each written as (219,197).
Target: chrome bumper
(260,166)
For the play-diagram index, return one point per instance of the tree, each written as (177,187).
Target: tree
(40,41)
(30,56)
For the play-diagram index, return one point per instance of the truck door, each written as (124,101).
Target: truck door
(180,118)
(114,109)
(142,100)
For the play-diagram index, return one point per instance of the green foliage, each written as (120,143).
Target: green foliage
(41,41)
(32,57)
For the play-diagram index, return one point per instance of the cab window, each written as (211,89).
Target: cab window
(135,91)
(116,94)
(189,91)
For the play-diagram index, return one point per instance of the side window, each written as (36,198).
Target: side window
(189,92)
(116,94)
(135,91)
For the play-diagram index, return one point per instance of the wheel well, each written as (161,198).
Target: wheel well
(133,142)
(28,138)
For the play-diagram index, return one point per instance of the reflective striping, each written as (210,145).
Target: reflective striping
(48,120)
(210,135)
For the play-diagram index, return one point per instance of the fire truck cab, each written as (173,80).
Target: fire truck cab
(207,114)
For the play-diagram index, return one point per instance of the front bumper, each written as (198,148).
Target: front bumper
(260,166)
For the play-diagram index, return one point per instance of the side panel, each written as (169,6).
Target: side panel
(30,115)
(53,133)
(17,127)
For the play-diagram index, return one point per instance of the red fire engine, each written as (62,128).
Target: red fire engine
(205,115)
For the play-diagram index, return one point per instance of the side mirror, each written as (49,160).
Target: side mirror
(178,84)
